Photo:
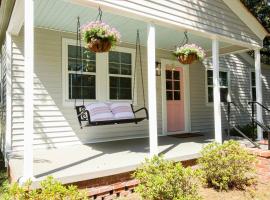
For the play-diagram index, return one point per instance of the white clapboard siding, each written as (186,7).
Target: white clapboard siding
(202,114)
(205,15)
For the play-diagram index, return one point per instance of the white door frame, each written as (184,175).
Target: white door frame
(164,63)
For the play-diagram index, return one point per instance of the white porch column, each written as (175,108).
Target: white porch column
(7,147)
(258,92)
(28,89)
(216,90)
(152,101)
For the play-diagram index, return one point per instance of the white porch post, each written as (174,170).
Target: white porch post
(216,90)
(7,148)
(258,92)
(152,101)
(28,88)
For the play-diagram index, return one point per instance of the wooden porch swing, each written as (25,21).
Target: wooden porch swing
(83,114)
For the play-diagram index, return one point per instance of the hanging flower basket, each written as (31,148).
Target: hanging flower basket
(189,53)
(98,45)
(187,59)
(99,36)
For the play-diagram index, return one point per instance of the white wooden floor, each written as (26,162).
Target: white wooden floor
(83,162)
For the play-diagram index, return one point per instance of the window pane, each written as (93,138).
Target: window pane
(169,85)
(176,75)
(72,51)
(210,94)
(223,94)
(125,93)
(168,74)
(89,66)
(125,58)
(253,94)
(113,93)
(176,85)
(209,77)
(125,69)
(169,95)
(114,68)
(177,95)
(120,63)
(82,86)
(253,79)
(89,55)
(114,56)
(72,63)
(75,51)
(120,88)
(223,81)
(125,82)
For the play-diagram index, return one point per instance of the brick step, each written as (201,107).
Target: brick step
(118,185)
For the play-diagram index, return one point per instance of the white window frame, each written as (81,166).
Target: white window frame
(251,86)
(206,85)
(132,52)
(102,76)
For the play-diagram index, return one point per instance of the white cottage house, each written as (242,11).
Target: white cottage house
(40,132)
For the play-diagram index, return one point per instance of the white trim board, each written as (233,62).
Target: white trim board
(102,75)
(164,62)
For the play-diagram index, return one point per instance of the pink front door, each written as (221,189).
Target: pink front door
(175,99)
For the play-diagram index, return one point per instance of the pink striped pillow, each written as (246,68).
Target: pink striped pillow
(122,110)
(99,112)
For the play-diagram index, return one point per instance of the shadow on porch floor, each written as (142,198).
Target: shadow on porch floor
(83,162)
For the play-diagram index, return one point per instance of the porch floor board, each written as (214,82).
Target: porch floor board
(84,162)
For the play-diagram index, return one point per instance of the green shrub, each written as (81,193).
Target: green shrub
(50,190)
(165,180)
(228,165)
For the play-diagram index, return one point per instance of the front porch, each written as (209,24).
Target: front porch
(49,119)
(84,162)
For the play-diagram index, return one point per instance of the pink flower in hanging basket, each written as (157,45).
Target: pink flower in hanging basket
(100,31)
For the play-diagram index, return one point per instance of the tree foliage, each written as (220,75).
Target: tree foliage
(261,10)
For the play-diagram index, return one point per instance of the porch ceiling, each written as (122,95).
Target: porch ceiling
(62,15)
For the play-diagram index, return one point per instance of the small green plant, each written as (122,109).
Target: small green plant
(228,165)
(165,180)
(50,190)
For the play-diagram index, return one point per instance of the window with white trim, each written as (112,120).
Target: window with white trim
(101,77)
(253,86)
(120,75)
(81,74)
(224,85)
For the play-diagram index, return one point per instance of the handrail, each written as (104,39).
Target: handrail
(241,133)
(263,106)
(253,119)
(234,127)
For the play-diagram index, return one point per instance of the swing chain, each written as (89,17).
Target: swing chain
(138,51)
(185,39)
(99,16)
(79,60)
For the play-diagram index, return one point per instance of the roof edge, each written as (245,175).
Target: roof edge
(247,17)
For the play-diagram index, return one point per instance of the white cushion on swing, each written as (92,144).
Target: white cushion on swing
(99,112)
(122,110)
